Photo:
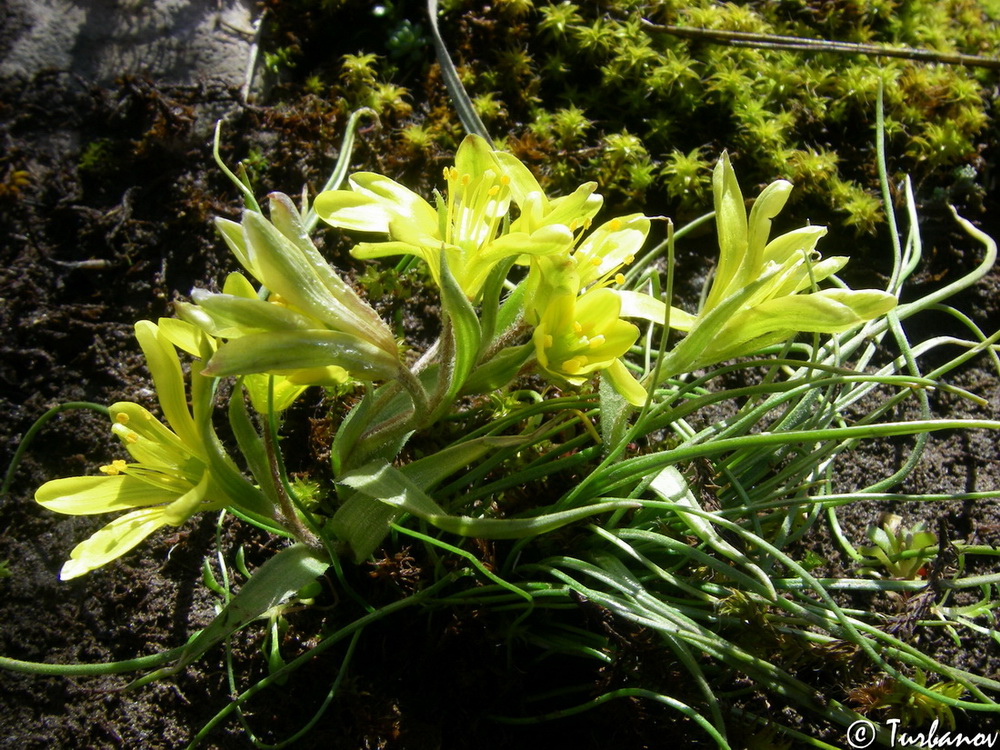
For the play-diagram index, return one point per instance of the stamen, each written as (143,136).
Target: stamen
(115,468)
(615,225)
(573,365)
(547,341)
(121,418)
(598,340)
(619,278)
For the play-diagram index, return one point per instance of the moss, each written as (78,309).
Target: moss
(594,91)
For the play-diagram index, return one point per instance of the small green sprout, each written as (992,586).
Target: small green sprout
(897,551)
(569,125)
(515,8)
(388,98)
(358,70)
(558,20)
(687,175)
(281,60)
(488,106)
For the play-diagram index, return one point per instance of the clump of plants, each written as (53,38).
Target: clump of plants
(570,441)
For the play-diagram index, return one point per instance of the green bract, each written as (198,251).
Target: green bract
(758,296)
(309,326)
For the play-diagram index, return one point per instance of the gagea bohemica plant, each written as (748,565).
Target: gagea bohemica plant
(565,404)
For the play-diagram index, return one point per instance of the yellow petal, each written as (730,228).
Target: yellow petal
(84,496)
(731,223)
(112,541)
(625,383)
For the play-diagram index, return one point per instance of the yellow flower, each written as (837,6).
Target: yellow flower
(168,480)
(578,316)
(468,223)
(758,296)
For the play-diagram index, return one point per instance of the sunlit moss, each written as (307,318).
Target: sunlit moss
(563,80)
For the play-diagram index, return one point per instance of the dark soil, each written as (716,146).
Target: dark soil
(112,225)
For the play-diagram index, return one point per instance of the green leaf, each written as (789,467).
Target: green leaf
(208,579)
(672,487)
(465,329)
(490,303)
(615,412)
(251,445)
(512,308)
(459,97)
(353,426)
(363,521)
(271,584)
(498,371)
(389,485)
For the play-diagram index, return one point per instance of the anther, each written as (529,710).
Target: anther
(115,468)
